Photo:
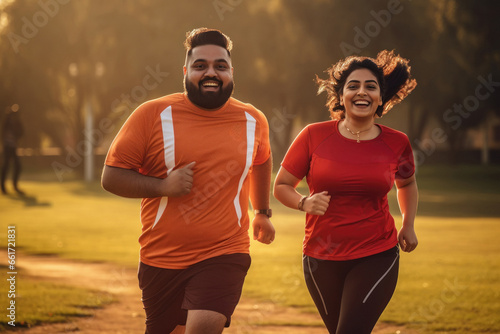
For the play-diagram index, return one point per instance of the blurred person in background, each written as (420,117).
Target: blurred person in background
(196,158)
(12,131)
(351,246)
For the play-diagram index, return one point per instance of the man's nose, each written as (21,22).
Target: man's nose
(210,71)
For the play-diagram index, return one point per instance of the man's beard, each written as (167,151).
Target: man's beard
(208,100)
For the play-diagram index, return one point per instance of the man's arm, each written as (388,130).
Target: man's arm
(129,183)
(260,186)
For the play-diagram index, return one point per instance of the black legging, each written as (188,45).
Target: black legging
(9,153)
(351,295)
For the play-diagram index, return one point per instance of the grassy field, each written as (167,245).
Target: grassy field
(450,284)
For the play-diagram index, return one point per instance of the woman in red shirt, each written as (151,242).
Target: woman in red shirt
(351,245)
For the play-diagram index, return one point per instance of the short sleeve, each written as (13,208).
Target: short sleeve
(297,159)
(406,164)
(129,147)
(264,148)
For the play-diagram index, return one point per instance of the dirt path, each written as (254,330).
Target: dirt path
(126,315)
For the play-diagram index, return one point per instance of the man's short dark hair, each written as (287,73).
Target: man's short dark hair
(205,36)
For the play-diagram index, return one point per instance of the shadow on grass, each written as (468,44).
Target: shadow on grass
(459,191)
(455,205)
(28,200)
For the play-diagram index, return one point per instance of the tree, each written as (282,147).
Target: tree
(59,56)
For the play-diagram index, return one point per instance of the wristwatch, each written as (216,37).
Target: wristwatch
(267,212)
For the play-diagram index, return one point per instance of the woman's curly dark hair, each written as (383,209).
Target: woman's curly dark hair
(392,73)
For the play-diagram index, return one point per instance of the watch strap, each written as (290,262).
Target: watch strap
(267,212)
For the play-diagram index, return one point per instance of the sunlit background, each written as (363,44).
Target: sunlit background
(77,69)
(74,70)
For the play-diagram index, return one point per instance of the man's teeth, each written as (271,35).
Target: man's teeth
(210,84)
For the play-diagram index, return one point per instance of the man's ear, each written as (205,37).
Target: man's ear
(184,70)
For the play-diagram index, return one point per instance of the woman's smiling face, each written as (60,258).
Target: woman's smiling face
(361,94)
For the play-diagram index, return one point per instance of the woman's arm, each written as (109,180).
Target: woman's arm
(407,194)
(284,191)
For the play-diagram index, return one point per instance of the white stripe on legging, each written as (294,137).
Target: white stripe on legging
(381,278)
(316,285)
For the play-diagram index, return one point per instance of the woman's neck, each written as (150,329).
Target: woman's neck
(358,130)
(361,125)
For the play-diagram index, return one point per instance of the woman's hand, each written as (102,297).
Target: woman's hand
(317,204)
(407,239)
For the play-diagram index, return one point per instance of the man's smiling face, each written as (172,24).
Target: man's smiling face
(208,76)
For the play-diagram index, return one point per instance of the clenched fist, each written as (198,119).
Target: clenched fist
(317,204)
(180,181)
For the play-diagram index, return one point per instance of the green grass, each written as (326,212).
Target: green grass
(74,220)
(38,301)
(450,284)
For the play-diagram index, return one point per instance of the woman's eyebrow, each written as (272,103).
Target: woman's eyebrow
(357,81)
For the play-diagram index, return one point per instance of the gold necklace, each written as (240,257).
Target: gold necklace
(357,132)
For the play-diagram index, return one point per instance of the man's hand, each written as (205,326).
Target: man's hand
(180,181)
(263,229)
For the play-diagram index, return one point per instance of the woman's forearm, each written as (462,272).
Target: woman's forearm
(407,195)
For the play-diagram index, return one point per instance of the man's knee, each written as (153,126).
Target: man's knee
(179,330)
(205,321)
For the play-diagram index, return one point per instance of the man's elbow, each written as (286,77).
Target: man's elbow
(104,184)
(106,180)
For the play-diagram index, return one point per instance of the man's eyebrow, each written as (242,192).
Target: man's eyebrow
(221,60)
(357,81)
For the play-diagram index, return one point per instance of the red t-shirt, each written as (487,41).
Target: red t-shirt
(170,132)
(358,177)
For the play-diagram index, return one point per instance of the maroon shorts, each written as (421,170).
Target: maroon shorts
(214,284)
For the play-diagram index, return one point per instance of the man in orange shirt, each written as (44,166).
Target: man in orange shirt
(196,158)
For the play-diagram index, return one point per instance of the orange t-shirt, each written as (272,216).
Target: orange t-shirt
(170,132)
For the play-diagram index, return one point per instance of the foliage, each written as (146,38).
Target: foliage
(57,57)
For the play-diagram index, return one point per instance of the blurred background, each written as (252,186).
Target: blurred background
(72,71)
(75,70)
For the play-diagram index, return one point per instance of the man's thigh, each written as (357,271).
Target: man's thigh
(162,297)
(216,284)
(213,285)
